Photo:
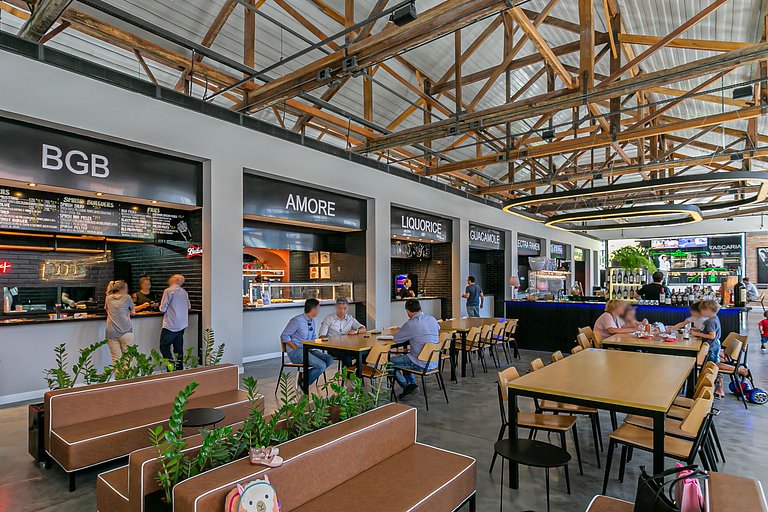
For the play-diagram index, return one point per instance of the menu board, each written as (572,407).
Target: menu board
(41,211)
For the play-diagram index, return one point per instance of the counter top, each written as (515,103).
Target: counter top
(286,305)
(418,298)
(90,317)
(602,305)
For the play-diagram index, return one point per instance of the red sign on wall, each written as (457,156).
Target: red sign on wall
(194,251)
(5,267)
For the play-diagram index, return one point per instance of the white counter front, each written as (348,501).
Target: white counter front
(430,306)
(262,328)
(26,349)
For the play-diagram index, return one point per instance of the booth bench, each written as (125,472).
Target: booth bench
(91,425)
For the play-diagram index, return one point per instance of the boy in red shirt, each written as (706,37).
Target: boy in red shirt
(763,327)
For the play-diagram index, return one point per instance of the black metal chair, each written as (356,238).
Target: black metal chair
(430,355)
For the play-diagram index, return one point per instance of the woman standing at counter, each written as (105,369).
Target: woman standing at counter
(144,299)
(119,331)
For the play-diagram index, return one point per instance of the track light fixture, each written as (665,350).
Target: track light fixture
(404,14)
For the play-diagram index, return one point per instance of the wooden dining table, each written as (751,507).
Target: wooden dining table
(357,344)
(656,345)
(612,380)
(461,326)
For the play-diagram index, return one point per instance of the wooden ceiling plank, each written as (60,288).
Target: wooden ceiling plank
(679,42)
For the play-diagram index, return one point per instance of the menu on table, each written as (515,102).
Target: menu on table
(41,211)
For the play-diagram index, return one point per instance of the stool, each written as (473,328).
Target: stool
(529,452)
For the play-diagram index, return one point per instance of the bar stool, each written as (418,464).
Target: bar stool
(530,452)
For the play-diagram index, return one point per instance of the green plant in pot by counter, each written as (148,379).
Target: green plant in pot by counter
(212,354)
(633,257)
(134,364)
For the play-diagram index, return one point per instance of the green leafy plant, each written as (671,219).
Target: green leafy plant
(60,376)
(190,359)
(134,363)
(212,354)
(350,395)
(632,257)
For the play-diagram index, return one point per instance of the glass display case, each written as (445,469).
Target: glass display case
(275,294)
(548,282)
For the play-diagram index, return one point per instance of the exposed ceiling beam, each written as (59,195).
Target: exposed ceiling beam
(44,15)
(537,106)
(689,44)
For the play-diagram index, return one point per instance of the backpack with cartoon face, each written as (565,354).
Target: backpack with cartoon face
(255,496)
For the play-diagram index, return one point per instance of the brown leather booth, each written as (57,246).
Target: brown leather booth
(371,462)
(90,425)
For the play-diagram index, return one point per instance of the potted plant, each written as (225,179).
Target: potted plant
(632,257)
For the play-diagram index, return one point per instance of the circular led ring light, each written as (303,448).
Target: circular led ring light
(704,179)
(689,214)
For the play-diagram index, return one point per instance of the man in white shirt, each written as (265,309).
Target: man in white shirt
(338,324)
(752,293)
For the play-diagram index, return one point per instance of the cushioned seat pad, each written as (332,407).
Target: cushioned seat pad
(82,444)
(608,504)
(419,478)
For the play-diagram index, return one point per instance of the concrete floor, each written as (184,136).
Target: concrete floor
(468,425)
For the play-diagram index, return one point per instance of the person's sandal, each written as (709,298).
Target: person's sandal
(268,457)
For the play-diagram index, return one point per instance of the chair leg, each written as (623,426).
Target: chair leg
(614,421)
(442,383)
(717,441)
(424,388)
(72,483)
(546,472)
(599,430)
(622,463)
(743,396)
(516,349)
(576,446)
(567,480)
(595,438)
(506,352)
(471,366)
(608,461)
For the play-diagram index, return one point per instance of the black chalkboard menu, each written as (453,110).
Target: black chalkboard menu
(25,210)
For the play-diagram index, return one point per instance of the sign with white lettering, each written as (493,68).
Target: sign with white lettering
(266,199)
(37,154)
(528,246)
(481,237)
(407,250)
(419,226)
(723,244)
(556,250)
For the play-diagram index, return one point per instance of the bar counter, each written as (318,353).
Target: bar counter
(550,325)
(26,350)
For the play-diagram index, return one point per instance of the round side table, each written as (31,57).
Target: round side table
(203,417)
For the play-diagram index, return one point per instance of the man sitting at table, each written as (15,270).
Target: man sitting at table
(419,330)
(302,328)
(338,324)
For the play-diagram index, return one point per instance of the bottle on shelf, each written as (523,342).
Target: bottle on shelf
(662,298)
(625,278)
(631,278)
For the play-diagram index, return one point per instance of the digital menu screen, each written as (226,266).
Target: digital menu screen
(25,210)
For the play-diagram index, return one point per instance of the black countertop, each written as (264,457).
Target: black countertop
(5,321)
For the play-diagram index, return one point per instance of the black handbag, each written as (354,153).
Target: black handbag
(655,492)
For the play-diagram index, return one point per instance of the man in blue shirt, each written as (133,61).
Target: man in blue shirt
(175,307)
(419,330)
(302,328)
(474,296)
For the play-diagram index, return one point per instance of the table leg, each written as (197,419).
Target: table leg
(359,365)
(464,354)
(514,476)
(452,352)
(691,385)
(305,371)
(658,442)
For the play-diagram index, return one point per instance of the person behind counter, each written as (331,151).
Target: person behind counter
(475,298)
(419,330)
(406,292)
(612,321)
(338,324)
(119,330)
(175,307)
(652,291)
(144,299)
(301,328)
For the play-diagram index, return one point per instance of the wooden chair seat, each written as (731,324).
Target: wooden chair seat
(552,406)
(682,401)
(677,412)
(671,426)
(545,421)
(420,372)
(642,438)
(369,372)
(608,504)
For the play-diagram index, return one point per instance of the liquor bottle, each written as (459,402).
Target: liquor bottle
(625,293)
(613,276)
(637,276)
(632,277)
(625,279)
(662,298)
(669,300)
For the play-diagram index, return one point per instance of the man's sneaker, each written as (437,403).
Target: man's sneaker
(762,349)
(409,390)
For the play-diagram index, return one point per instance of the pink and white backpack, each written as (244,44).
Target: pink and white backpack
(255,496)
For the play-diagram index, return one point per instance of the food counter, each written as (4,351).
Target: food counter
(549,325)
(429,305)
(28,343)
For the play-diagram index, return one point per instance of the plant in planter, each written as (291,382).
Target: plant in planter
(633,257)
(61,378)
(212,354)
(134,364)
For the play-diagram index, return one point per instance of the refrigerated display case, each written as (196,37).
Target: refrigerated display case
(288,294)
